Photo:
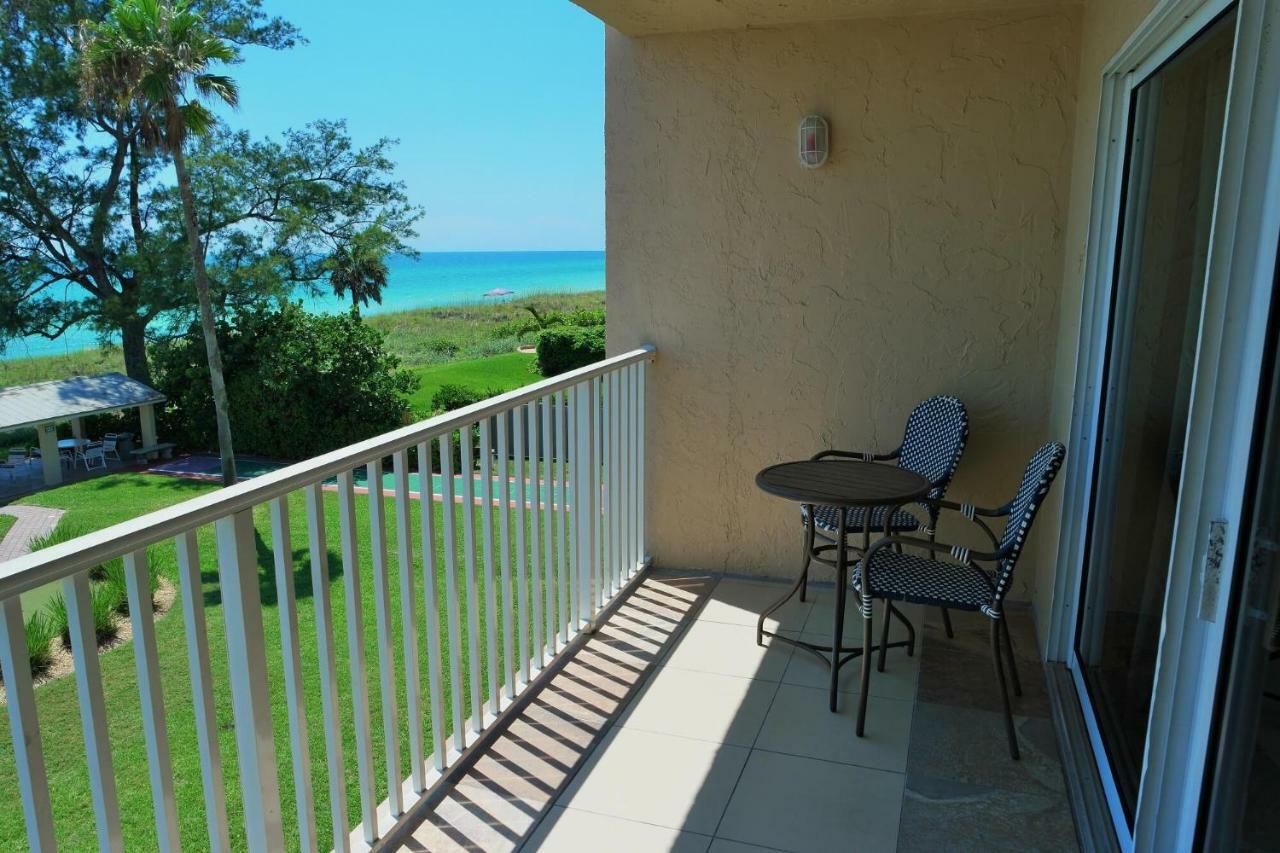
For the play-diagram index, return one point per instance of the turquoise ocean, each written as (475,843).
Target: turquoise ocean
(432,279)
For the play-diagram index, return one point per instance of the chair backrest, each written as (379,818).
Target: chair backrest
(937,431)
(109,441)
(1036,480)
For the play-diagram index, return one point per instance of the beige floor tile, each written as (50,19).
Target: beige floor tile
(729,650)
(803,804)
(574,831)
(660,779)
(740,602)
(718,708)
(898,681)
(822,618)
(800,723)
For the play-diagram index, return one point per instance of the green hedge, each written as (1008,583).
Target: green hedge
(564,348)
(299,384)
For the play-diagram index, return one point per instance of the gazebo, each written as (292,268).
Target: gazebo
(44,405)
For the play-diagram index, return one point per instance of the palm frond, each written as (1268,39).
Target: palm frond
(219,87)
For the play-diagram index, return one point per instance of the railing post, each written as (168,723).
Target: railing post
(250,699)
(642,544)
(584,460)
(24,728)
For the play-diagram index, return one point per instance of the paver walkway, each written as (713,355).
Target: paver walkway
(33,522)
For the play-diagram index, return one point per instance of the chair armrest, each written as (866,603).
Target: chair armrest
(970,510)
(966,555)
(865,456)
(973,513)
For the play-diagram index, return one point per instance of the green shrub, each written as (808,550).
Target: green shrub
(299,384)
(63,532)
(40,634)
(450,397)
(105,624)
(565,348)
(102,605)
(59,618)
(117,588)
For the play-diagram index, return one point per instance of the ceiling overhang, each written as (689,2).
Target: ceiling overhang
(653,17)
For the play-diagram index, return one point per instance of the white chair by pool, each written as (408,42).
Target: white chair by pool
(109,446)
(93,457)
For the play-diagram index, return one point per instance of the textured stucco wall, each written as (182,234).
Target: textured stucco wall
(1106,26)
(796,309)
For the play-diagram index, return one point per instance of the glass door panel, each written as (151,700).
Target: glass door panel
(1176,123)
(1242,800)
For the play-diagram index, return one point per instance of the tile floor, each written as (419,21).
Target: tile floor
(672,730)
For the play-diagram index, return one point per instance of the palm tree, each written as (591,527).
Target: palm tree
(360,268)
(152,56)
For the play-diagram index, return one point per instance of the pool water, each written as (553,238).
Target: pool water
(532,491)
(203,466)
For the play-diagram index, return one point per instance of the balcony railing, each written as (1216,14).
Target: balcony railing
(552,528)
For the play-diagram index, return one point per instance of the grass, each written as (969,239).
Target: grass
(497,373)
(107,500)
(6,523)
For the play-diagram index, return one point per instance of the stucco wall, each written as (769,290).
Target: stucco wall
(795,309)
(1106,26)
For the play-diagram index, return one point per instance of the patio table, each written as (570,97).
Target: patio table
(844,484)
(72,443)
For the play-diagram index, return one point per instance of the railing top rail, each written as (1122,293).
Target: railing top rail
(64,559)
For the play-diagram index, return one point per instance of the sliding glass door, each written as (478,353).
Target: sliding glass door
(1173,149)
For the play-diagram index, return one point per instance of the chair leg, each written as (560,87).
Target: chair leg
(866,675)
(1004,690)
(911,630)
(884,635)
(946,623)
(1013,661)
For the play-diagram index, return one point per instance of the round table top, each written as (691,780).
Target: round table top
(843,482)
(69,443)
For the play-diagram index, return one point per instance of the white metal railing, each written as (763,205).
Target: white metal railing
(561,461)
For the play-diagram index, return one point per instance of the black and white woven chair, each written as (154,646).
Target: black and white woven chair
(934,440)
(890,574)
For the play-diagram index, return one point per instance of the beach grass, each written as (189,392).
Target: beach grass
(470,331)
(107,500)
(42,368)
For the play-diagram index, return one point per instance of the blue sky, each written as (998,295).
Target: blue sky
(499,109)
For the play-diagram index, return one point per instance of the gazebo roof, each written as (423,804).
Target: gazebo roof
(64,399)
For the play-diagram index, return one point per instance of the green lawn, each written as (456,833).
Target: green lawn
(496,373)
(107,500)
(6,522)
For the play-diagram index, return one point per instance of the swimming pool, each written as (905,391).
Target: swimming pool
(204,466)
(532,491)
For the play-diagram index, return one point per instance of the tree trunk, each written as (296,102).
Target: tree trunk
(220,407)
(355,303)
(134,343)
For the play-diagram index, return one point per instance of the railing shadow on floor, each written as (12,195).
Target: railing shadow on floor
(516,779)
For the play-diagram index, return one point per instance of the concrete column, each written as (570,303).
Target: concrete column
(49,459)
(147,414)
(77,428)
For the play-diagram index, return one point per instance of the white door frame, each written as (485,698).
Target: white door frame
(1239,277)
